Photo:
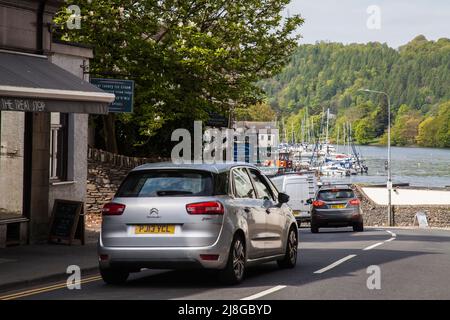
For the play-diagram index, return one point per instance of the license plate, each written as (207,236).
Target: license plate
(337,206)
(154,229)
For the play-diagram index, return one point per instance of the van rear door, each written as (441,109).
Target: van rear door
(299,190)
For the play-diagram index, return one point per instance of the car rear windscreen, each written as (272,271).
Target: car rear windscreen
(335,195)
(166,184)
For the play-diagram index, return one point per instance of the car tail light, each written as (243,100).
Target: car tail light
(209,207)
(113,209)
(354,202)
(318,203)
(209,257)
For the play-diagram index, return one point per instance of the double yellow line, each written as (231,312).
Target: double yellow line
(53,287)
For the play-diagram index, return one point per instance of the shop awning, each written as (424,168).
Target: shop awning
(32,83)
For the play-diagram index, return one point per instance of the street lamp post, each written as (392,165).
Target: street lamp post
(389,181)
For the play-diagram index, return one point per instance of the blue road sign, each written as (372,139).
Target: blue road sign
(123,89)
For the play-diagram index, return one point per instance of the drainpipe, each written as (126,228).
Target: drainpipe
(40,27)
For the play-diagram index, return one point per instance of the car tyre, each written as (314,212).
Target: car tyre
(235,268)
(314,228)
(290,258)
(114,276)
(359,227)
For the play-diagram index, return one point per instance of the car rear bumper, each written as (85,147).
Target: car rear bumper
(302,216)
(325,218)
(134,258)
(303,219)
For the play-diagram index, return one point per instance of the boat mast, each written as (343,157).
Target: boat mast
(349,136)
(344,131)
(293,135)
(304,128)
(337,140)
(328,119)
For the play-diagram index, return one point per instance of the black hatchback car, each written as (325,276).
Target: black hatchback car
(336,206)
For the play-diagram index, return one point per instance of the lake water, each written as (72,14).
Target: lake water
(426,167)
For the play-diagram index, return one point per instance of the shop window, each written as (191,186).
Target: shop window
(59,146)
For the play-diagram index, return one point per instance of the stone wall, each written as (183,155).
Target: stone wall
(376,215)
(105,173)
(103,181)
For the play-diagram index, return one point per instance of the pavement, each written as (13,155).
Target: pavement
(25,265)
(334,264)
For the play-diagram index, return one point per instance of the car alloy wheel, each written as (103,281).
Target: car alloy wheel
(238,259)
(290,257)
(292,246)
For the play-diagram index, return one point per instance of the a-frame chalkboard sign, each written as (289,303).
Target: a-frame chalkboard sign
(67,222)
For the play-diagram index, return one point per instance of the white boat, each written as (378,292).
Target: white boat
(333,171)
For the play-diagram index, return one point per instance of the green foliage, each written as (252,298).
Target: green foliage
(328,75)
(406,126)
(188,58)
(427,133)
(364,131)
(256,112)
(435,131)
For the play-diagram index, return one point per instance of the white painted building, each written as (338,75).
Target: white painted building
(266,131)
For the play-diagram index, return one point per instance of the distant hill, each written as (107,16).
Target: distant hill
(328,75)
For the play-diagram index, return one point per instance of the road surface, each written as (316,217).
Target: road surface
(413,264)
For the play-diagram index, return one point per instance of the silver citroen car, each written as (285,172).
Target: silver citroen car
(223,216)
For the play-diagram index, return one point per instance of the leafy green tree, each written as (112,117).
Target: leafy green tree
(364,131)
(443,125)
(435,131)
(256,112)
(406,126)
(188,58)
(427,133)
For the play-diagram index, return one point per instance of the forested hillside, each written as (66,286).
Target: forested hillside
(328,75)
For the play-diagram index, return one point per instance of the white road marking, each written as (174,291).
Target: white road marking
(264,293)
(373,246)
(335,264)
(392,234)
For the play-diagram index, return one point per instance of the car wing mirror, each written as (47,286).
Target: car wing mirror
(283,198)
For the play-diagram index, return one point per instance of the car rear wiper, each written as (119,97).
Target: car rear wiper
(163,193)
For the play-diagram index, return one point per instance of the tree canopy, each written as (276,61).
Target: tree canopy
(188,58)
(328,75)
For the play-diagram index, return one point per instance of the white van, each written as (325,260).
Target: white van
(300,188)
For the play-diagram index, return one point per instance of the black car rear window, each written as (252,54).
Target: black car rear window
(166,183)
(333,195)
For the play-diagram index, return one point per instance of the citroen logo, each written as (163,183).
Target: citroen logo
(154,213)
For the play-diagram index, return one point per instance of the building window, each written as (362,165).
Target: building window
(58,146)
(269,137)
